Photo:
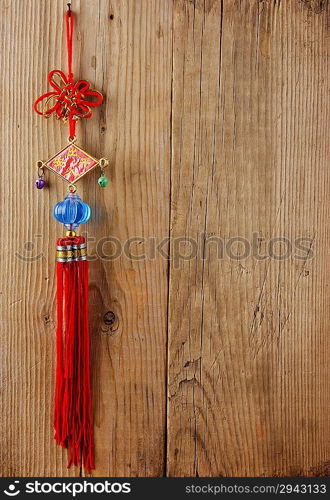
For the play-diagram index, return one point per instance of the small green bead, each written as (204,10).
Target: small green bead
(103,181)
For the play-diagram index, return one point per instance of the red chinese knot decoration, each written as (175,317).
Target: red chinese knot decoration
(70,101)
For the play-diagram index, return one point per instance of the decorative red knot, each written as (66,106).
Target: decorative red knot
(70,100)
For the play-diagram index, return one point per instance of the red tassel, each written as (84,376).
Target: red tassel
(73,400)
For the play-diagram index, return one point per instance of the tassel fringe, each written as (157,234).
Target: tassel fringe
(73,401)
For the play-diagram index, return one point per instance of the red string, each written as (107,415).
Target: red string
(59,356)
(69,34)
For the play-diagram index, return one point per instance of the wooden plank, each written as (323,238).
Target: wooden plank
(124,49)
(27,230)
(133,69)
(248,345)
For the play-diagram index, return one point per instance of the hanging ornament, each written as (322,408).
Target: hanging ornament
(70,101)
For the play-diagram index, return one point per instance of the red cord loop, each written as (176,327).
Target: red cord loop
(69,34)
(70,100)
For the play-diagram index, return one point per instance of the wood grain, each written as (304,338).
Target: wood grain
(124,49)
(248,343)
(215,122)
(133,69)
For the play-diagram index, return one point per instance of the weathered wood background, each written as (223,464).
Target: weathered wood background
(216,122)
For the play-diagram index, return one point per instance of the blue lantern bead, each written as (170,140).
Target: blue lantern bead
(72,211)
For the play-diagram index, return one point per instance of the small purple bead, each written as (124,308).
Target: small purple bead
(40,183)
